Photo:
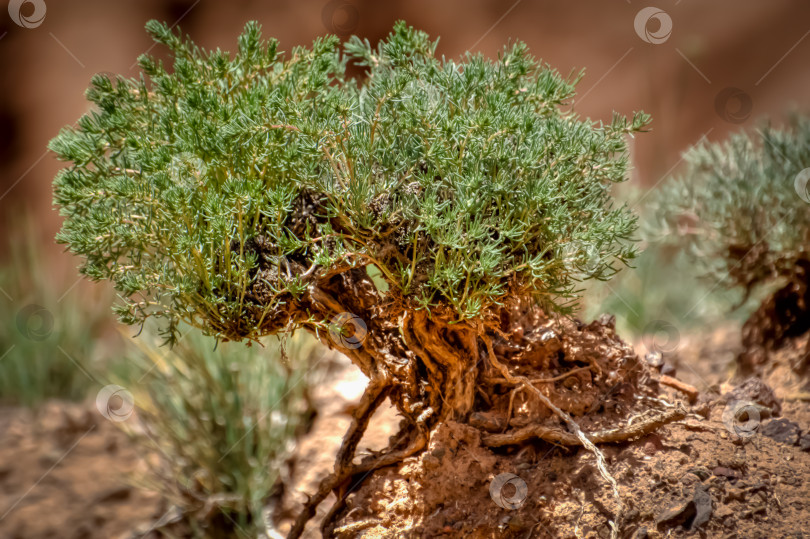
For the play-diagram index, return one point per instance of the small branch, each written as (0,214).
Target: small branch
(689,390)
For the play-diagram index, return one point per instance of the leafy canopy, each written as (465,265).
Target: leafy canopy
(741,207)
(456,182)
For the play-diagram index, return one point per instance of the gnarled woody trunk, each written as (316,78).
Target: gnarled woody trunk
(429,363)
(507,376)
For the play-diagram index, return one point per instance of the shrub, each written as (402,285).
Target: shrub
(742,209)
(738,207)
(417,218)
(221,424)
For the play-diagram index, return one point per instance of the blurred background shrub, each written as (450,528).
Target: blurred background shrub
(219,420)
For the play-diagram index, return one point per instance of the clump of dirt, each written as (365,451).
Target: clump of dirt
(63,472)
(581,364)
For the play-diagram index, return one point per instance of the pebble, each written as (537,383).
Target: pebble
(677,513)
(782,431)
(703,507)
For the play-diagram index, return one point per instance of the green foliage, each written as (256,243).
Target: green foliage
(459,182)
(51,330)
(738,208)
(221,424)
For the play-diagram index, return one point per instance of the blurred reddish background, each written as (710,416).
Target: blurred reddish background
(723,65)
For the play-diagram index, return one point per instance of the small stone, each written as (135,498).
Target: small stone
(689,479)
(701,472)
(703,507)
(549,335)
(759,498)
(723,512)
(485,421)
(669,369)
(652,445)
(641,533)
(654,360)
(722,471)
(782,431)
(703,409)
(804,442)
(607,320)
(677,513)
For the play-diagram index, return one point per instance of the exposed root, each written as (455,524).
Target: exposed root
(356,526)
(572,425)
(334,480)
(374,394)
(557,436)
(562,376)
